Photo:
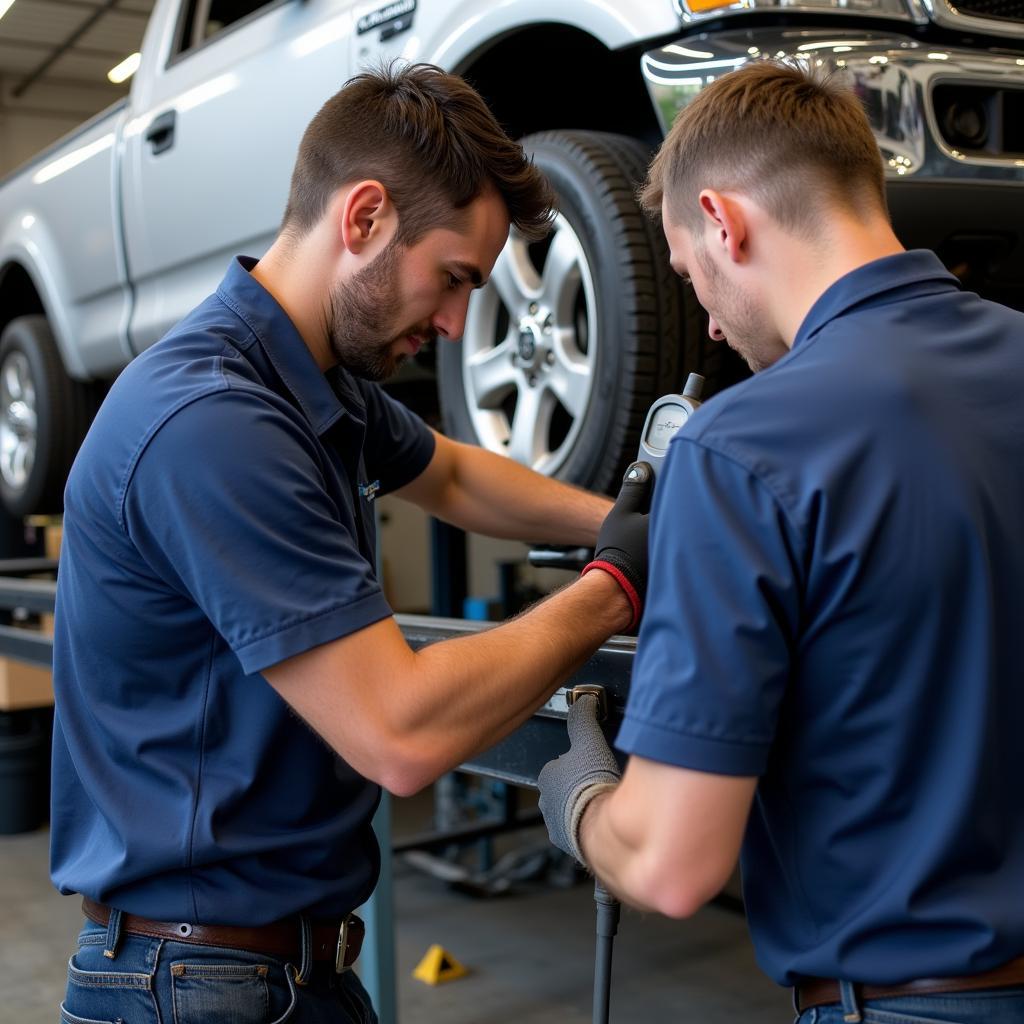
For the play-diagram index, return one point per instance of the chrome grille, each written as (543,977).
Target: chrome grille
(1004,10)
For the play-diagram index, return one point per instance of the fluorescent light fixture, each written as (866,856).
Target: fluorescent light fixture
(684,52)
(124,70)
(734,62)
(938,56)
(5,6)
(833,44)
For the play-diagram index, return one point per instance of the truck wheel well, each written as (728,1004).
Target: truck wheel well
(556,76)
(18,295)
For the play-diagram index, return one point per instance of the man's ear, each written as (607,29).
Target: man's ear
(365,216)
(725,223)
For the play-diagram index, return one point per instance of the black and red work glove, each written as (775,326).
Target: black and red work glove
(622,541)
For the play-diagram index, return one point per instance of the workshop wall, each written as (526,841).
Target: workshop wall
(405,555)
(42,115)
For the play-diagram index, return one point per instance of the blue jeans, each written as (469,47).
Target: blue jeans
(985,1006)
(159,981)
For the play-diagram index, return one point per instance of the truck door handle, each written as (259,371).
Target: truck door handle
(160,133)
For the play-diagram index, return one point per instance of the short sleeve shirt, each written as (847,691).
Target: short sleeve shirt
(218,520)
(835,596)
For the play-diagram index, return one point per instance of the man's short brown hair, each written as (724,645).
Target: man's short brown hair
(787,136)
(429,139)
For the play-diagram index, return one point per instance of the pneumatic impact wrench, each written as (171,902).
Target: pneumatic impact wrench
(664,420)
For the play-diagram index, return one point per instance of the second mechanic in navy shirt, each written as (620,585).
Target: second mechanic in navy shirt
(830,670)
(218,576)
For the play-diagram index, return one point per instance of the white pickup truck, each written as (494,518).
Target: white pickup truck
(110,236)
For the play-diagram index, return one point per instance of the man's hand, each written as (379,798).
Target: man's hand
(622,542)
(570,782)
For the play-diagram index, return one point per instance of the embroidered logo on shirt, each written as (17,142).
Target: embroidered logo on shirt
(369,491)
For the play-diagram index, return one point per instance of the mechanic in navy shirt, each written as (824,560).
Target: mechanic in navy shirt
(830,670)
(219,536)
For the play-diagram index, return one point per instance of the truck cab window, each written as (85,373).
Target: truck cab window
(204,19)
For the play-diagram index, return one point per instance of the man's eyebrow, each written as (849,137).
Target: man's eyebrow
(468,270)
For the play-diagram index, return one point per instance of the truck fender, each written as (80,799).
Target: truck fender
(474,25)
(28,244)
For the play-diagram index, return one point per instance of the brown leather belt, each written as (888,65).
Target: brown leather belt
(338,942)
(813,992)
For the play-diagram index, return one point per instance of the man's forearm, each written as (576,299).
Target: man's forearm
(666,838)
(487,493)
(473,691)
(611,855)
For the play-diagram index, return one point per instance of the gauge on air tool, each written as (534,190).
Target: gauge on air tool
(665,419)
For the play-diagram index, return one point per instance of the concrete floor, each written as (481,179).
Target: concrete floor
(530,954)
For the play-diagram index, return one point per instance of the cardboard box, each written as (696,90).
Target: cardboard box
(23,685)
(51,541)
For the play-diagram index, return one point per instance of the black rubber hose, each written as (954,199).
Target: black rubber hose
(608,908)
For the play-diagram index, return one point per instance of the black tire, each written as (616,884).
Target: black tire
(648,324)
(64,408)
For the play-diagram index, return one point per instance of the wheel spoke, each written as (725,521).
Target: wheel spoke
(561,278)
(570,381)
(528,440)
(492,374)
(18,462)
(515,277)
(12,381)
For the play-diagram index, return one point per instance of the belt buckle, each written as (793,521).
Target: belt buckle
(341,947)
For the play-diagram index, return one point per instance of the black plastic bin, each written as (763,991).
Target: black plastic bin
(25,769)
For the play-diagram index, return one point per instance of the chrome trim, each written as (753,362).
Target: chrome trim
(942,12)
(893,75)
(913,10)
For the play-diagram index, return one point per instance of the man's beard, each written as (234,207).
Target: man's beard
(360,327)
(745,327)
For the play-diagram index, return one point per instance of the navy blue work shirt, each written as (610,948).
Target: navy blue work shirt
(218,520)
(835,602)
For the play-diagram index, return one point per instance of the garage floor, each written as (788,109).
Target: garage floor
(530,954)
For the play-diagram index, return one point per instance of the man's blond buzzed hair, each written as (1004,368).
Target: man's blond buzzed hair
(787,136)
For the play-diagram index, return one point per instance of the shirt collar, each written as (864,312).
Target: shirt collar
(916,272)
(282,343)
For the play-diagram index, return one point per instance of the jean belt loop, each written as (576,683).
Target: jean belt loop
(113,939)
(306,963)
(851,1002)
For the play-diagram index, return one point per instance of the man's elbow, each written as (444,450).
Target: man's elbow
(676,900)
(674,891)
(404,768)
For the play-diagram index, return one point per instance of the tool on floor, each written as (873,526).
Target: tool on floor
(437,966)
(664,420)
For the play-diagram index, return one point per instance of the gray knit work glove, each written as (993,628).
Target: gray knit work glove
(570,782)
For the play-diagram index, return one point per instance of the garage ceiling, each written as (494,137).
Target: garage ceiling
(67,44)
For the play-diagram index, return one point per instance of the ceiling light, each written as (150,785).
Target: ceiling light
(684,52)
(124,70)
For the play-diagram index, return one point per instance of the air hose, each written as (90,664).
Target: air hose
(608,908)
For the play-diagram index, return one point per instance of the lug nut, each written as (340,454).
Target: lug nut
(549,358)
(532,379)
(533,308)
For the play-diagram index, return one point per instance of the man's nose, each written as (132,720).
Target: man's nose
(450,320)
(714,330)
